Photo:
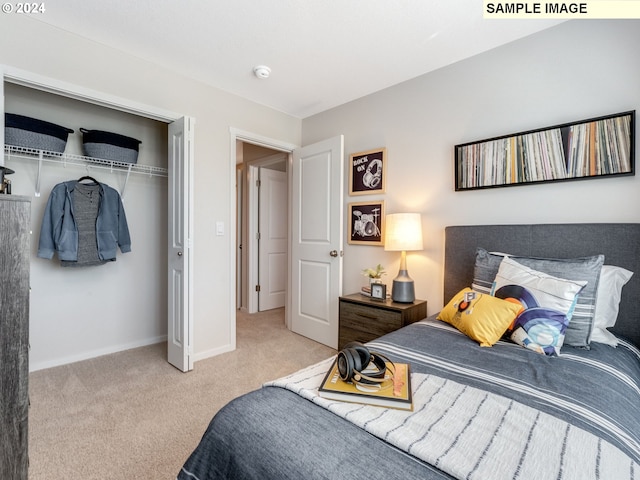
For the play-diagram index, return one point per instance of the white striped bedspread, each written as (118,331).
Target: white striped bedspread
(474,423)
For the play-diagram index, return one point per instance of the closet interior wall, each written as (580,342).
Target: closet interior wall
(84,312)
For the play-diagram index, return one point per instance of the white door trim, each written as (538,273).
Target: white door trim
(248,137)
(77,92)
(253,172)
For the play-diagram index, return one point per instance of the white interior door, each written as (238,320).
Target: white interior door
(317,240)
(273,230)
(240,274)
(180,301)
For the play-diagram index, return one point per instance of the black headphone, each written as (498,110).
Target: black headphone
(355,357)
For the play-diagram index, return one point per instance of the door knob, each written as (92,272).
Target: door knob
(179,254)
(333,253)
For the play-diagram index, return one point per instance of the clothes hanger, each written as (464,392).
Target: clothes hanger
(87,177)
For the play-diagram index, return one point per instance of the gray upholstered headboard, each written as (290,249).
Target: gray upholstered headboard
(618,242)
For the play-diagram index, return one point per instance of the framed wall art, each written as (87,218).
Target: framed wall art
(367,172)
(593,148)
(366,223)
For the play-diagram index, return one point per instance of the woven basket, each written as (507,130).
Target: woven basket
(110,146)
(21,131)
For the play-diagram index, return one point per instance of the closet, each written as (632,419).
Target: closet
(79,313)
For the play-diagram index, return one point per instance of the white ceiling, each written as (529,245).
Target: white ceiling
(322,53)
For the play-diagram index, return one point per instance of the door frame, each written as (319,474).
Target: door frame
(50,85)
(238,135)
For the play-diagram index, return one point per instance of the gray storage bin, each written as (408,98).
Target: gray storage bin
(109,146)
(21,131)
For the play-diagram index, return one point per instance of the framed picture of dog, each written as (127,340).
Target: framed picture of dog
(367,172)
(366,223)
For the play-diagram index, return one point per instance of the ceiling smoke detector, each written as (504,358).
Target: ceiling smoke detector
(262,71)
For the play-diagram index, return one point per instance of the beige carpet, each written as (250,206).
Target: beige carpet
(132,415)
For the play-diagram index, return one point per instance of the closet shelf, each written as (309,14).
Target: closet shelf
(89,162)
(71,159)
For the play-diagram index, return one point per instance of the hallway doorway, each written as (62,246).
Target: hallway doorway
(262,227)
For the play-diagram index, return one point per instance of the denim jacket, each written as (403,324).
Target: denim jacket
(59,232)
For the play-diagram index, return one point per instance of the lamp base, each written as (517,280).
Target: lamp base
(403,290)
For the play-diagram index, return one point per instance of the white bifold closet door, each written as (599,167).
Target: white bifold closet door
(180,307)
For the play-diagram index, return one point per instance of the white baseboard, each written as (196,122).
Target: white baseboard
(213,352)
(35,366)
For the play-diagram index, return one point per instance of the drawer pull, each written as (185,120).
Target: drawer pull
(368,317)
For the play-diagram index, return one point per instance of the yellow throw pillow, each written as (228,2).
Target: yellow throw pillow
(481,317)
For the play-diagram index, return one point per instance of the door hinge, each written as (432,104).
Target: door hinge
(257,288)
(258,183)
(258,236)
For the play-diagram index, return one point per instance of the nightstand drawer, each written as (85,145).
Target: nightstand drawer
(363,319)
(351,335)
(369,319)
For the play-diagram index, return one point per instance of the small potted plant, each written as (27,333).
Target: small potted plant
(374,274)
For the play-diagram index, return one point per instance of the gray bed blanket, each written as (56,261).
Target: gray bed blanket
(590,401)
(471,433)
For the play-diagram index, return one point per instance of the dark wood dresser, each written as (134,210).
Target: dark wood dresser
(15,239)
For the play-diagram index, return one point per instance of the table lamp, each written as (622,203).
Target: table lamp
(403,232)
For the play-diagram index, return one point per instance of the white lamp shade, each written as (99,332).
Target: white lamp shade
(403,232)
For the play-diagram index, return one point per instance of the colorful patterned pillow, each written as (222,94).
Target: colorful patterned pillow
(583,269)
(548,304)
(481,317)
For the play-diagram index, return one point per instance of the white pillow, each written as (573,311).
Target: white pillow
(612,279)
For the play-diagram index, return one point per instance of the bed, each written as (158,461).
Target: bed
(479,412)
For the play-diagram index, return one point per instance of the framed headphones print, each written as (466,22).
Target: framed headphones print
(367,172)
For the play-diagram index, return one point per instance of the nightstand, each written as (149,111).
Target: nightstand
(363,319)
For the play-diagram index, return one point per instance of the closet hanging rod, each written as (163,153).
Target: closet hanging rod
(72,159)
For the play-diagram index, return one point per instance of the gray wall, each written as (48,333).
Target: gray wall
(576,70)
